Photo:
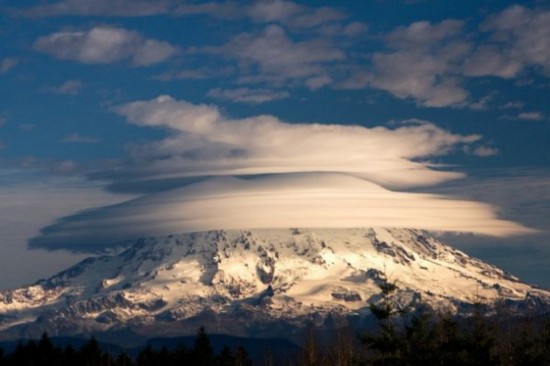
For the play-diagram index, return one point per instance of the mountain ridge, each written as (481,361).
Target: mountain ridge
(257,282)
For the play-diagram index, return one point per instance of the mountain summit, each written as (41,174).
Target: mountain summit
(256,282)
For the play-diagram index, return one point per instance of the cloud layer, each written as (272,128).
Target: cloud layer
(203,142)
(291,175)
(283,201)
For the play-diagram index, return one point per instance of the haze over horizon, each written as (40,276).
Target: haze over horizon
(131,118)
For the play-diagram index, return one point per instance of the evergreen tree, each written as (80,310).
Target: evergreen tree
(480,342)
(47,353)
(124,360)
(69,356)
(146,357)
(241,357)
(386,343)
(91,354)
(181,354)
(226,357)
(202,352)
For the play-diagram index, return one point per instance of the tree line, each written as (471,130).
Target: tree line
(201,353)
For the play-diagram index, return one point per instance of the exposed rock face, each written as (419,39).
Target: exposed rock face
(255,282)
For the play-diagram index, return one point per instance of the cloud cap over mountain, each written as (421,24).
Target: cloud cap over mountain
(319,200)
(213,172)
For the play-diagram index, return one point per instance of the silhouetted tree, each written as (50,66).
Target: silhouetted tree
(146,357)
(226,357)
(181,353)
(202,352)
(386,343)
(124,360)
(241,357)
(91,354)
(70,356)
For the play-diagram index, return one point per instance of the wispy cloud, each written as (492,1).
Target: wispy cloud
(288,13)
(71,87)
(531,116)
(482,103)
(221,10)
(522,36)
(246,95)
(427,62)
(7,64)
(420,65)
(273,56)
(119,8)
(513,105)
(26,126)
(489,61)
(30,200)
(79,139)
(293,14)
(103,45)
(484,151)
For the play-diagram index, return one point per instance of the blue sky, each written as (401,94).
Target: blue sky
(105,101)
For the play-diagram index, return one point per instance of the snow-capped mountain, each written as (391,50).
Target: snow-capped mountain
(255,282)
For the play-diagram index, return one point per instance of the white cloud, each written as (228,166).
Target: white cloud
(424,34)
(7,64)
(521,37)
(489,61)
(222,10)
(101,45)
(513,105)
(121,8)
(302,200)
(531,116)
(297,175)
(203,142)
(316,17)
(427,62)
(71,87)
(292,14)
(272,55)
(418,76)
(29,201)
(484,151)
(355,29)
(270,11)
(482,103)
(318,82)
(78,138)
(246,95)
(421,64)
(288,13)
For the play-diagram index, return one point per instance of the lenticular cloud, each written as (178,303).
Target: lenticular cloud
(204,143)
(261,172)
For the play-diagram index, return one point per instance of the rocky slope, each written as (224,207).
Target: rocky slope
(259,282)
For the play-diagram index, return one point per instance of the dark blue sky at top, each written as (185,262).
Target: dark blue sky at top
(28,98)
(56,112)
